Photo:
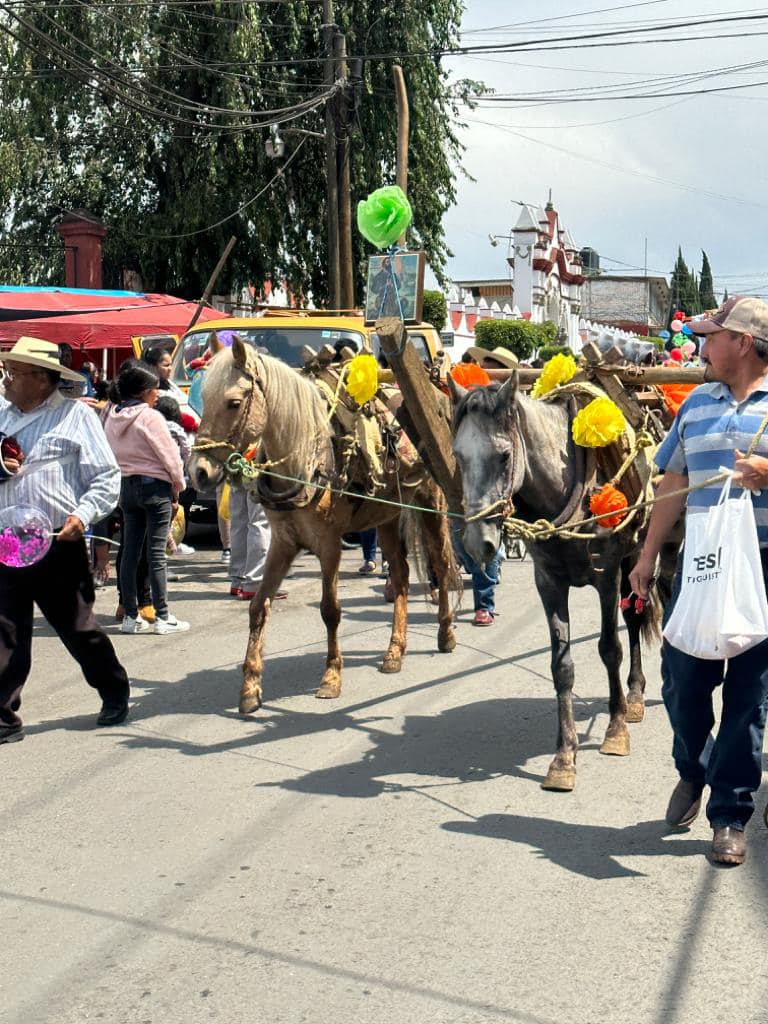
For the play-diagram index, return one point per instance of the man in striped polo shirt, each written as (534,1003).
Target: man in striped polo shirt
(67,470)
(714,428)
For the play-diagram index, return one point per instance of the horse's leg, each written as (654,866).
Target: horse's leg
(393,551)
(609,646)
(636,678)
(561,774)
(279,557)
(330,609)
(437,542)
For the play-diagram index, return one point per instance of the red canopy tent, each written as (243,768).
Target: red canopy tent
(92,320)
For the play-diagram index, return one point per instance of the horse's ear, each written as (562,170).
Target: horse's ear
(214,344)
(456,390)
(240,352)
(508,393)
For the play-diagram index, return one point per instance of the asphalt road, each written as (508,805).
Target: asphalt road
(387,857)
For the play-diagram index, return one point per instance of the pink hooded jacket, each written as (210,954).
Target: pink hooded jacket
(143,446)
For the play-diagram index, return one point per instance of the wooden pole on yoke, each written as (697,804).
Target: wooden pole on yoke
(637,375)
(420,398)
(206,298)
(403,131)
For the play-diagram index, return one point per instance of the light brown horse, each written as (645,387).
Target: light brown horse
(254,400)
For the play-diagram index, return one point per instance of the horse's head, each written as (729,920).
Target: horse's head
(489,452)
(234,412)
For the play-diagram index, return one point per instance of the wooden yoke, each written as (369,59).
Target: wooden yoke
(420,399)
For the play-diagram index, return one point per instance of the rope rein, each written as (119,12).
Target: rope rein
(238,465)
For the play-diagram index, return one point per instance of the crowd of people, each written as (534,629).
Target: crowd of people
(77,466)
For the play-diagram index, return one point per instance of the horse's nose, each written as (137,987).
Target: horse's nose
(481,542)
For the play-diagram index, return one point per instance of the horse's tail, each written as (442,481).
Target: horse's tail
(427,540)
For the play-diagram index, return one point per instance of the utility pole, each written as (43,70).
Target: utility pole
(332,184)
(346,272)
(403,130)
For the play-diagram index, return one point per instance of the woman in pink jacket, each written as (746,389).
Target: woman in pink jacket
(153,478)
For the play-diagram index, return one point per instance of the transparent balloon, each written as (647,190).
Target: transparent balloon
(25,536)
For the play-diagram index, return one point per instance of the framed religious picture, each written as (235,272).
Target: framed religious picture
(395,287)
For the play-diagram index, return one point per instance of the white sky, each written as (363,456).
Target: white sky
(611,211)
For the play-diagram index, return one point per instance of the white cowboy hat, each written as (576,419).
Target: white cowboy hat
(501,355)
(43,354)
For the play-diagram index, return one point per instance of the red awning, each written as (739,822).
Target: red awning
(91,320)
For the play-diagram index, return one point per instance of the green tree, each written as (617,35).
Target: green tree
(684,288)
(435,309)
(155,118)
(706,285)
(519,336)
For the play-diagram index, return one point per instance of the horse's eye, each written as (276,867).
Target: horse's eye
(234,403)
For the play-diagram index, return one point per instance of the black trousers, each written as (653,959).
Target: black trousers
(61,586)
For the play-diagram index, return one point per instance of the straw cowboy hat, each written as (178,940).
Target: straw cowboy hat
(501,355)
(39,353)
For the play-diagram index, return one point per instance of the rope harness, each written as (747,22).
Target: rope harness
(239,467)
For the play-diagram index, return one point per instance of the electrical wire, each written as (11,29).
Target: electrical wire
(622,170)
(201,231)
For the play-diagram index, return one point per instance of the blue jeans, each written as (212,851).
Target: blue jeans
(146,506)
(368,543)
(484,581)
(731,763)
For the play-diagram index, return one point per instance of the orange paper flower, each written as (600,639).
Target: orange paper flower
(470,375)
(608,499)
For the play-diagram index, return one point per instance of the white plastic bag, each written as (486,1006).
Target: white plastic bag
(721,610)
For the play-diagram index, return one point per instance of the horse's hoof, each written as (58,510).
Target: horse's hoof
(390,665)
(249,702)
(562,780)
(446,644)
(329,691)
(635,712)
(616,746)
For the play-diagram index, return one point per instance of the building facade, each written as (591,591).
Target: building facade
(632,303)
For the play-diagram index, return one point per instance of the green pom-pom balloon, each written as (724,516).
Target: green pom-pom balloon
(384,216)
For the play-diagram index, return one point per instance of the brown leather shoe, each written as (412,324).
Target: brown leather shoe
(729,846)
(684,804)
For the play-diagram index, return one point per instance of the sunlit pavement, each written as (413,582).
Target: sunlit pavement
(388,856)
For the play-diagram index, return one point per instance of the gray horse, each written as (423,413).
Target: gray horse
(510,447)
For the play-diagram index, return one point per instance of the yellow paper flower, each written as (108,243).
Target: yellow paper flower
(556,371)
(598,424)
(363,378)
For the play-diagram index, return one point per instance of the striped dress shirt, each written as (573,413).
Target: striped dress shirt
(68,469)
(707,430)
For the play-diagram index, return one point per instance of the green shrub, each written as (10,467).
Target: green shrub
(435,309)
(519,336)
(658,342)
(547,351)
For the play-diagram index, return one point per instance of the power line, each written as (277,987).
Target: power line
(623,170)
(239,210)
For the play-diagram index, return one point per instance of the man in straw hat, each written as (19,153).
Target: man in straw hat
(713,427)
(66,470)
(493,359)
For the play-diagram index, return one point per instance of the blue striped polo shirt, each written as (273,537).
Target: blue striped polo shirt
(707,430)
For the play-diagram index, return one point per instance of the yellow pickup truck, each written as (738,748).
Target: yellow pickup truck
(284,333)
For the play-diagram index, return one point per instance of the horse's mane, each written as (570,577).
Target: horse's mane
(298,423)
(484,401)
(478,400)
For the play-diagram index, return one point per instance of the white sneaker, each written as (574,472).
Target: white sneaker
(185,549)
(138,625)
(226,556)
(170,625)
(172,577)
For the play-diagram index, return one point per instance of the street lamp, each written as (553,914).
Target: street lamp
(275,144)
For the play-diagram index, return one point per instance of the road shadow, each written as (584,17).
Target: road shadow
(587,850)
